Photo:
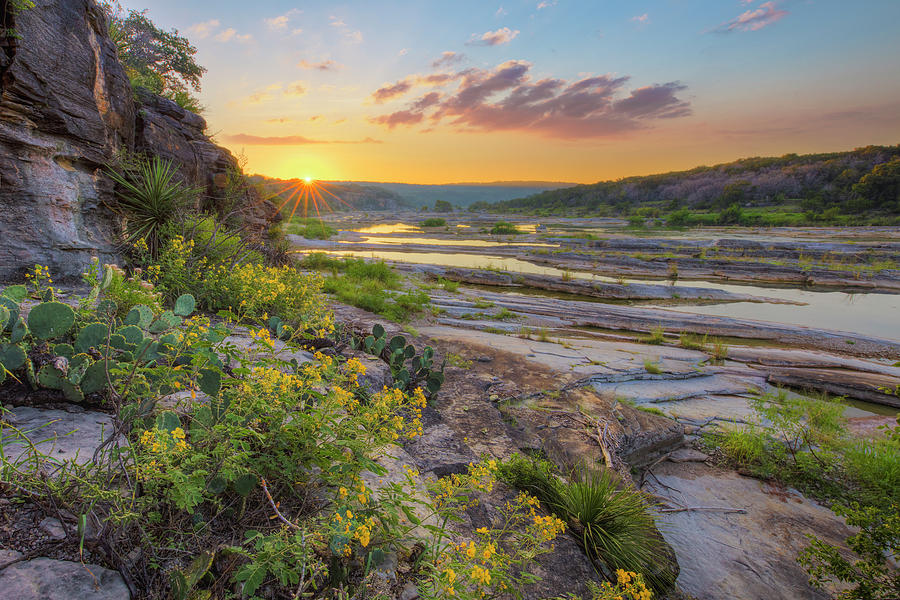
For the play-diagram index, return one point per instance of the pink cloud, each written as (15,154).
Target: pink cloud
(755,19)
(505,98)
(504,35)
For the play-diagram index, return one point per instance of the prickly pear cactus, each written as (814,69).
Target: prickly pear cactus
(49,320)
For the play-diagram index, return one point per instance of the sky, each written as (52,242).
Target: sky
(537,90)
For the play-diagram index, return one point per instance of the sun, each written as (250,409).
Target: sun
(308,179)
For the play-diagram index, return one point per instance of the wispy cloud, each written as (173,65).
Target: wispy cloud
(505,98)
(231,35)
(546,4)
(504,35)
(280,23)
(354,36)
(325,65)
(501,12)
(290,140)
(641,19)
(279,121)
(754,19)
(403,52)
(389,91)
(275,91)
(446,59)
(204,29)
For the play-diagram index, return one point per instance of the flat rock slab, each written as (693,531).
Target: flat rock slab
(48,579)
(751,555)
(62,435)
(672,390)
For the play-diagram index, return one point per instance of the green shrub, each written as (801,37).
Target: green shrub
(434,222)
(868,574)
(505,228)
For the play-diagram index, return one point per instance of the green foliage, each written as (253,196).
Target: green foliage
(869,574)
(161,61)
(434,222)
(609,519)
(370,285)
(803,442)
(442,206)
(880,188)
(505,228)
(149,196)
(408,370)
(652,367)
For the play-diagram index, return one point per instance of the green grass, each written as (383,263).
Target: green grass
(434,222)
(371,286)
(448,285)
(692,341)
(657,336)
(652,367)
(310,228)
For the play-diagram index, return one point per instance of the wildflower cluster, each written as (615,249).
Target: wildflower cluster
(493,562)
(628,586)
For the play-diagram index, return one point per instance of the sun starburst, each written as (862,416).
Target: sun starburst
(303,194)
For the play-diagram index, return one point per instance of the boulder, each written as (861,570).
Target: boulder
(48,579)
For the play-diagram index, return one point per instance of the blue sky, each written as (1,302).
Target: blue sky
(659,85)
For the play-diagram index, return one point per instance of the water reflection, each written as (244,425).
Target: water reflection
(868,314)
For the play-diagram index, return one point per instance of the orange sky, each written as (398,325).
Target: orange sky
(551,90)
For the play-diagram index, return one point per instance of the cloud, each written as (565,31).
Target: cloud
(231,34)
(546,4)
(641,19)
(279,121)
(754,19)
(295,89)
(506,98)
(403,52)
(389,91)
(204,29)
(504,35)
(325,65)
(280,22)
(354,36)
(501,12)
(291,140)
(446,59)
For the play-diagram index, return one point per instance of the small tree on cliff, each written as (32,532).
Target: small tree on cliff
(161,61)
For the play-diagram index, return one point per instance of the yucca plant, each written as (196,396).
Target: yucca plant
(615,525)
(610,520)
(149,196)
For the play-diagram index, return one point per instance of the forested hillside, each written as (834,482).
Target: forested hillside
(862,182)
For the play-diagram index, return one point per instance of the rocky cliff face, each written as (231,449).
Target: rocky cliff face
(66,109)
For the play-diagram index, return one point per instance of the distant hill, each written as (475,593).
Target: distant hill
(864,180)
(460,194)
(373,195)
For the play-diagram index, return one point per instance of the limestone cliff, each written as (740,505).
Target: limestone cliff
(66,108)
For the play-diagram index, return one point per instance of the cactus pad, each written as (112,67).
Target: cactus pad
(141,316)
(91,336)
(50,320)
(185,305)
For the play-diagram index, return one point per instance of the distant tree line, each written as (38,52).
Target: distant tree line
(862,181)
